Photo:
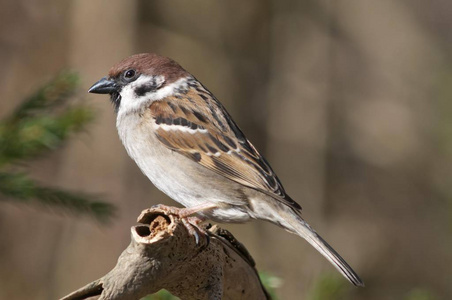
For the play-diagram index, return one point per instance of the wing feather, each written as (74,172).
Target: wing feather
(207,135)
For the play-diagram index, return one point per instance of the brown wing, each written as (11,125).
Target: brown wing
(208,136)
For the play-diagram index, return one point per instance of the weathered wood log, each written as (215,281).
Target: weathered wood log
(163,253)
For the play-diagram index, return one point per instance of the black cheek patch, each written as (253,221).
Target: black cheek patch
(145,88)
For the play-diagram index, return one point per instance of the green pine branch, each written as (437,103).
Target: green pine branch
(19,187)
(41,124)
(29,137)
(54,93)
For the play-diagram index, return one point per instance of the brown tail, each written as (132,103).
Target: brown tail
(294,223)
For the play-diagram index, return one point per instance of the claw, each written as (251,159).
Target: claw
(196,238)
(191,223)
(207,239)
(198,233)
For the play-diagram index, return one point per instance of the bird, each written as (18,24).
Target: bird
(187,144)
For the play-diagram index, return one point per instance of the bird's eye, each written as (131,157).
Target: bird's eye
(129,74)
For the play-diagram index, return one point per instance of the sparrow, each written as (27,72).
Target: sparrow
(186,143)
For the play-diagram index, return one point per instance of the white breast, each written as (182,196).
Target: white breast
(181,179)
(161,165)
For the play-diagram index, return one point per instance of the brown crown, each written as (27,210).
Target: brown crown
(150,64)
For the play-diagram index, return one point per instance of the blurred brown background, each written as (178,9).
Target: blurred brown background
(350,101)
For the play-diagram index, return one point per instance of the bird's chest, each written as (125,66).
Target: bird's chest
(137,135)
(160,164)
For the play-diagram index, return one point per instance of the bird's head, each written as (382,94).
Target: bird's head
(140,79)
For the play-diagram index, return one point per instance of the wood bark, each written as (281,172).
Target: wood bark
(163,253)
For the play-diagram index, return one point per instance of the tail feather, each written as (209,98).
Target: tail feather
(290,219)
(305,231)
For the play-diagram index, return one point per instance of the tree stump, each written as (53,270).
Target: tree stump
(207,264)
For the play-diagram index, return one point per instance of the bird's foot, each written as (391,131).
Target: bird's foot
(200,234)
(191,223)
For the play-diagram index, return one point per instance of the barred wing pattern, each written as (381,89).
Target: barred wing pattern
(208,136)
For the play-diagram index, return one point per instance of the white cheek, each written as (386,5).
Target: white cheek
(130,102)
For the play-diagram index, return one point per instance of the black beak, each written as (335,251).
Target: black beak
(104,86)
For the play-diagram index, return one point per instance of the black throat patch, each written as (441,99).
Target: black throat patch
(115,98)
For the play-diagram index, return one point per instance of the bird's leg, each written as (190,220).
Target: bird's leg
(189,211)
(190,222)
(170,210)
(186,211)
